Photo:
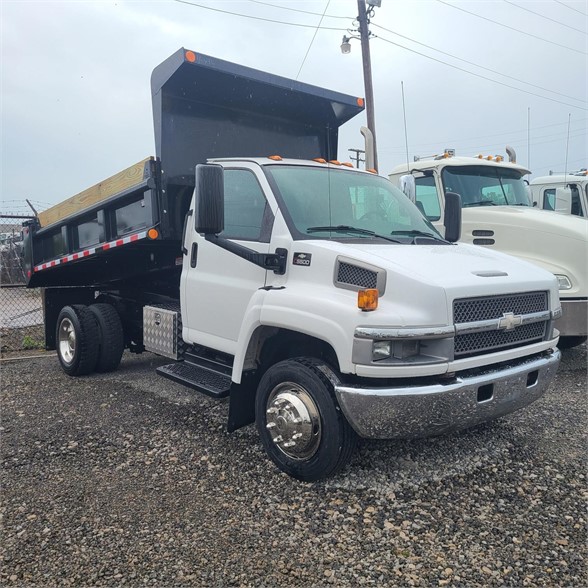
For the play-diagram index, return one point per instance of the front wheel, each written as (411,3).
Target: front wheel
(300,423)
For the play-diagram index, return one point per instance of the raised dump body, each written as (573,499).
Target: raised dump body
(130,225)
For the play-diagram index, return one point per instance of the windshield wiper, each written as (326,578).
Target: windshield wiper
(349,229)
(416,233)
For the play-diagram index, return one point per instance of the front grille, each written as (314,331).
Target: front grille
(470,310)
(476,343)
(356,276)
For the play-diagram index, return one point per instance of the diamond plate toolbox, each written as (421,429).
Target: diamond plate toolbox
(162,331)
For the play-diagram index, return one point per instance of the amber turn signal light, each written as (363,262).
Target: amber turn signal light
(153,234)
(367,299)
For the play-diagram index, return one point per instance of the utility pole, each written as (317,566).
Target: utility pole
(364,36)
(356,158)
(363,19)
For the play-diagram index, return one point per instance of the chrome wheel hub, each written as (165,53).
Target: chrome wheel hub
(67,340)
(293,421)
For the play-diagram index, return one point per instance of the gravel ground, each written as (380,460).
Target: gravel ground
(129,479)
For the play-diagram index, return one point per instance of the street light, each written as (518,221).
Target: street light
(346,45)
(365,13)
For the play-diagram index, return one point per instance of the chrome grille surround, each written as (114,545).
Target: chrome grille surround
(510,321)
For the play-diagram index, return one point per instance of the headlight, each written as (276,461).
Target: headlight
(563,282)
(397,349)
(381,350)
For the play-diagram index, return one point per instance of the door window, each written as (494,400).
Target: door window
(549,199)
(427,198)
(245,205)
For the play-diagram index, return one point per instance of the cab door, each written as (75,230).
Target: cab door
(217,286)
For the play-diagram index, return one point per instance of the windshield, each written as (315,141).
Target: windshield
(481,185)
(329,203)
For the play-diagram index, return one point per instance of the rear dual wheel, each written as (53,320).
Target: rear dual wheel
(89,339)
(77,340)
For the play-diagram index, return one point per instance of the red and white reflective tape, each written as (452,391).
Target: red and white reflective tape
(91,251)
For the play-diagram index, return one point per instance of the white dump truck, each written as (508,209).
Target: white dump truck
(498,214)
(565,193)
(314,295)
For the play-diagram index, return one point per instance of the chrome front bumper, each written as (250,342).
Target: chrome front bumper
(435,409)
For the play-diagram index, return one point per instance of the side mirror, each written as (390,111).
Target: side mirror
(452,220)
(209,197)
(563,200)
(408,186)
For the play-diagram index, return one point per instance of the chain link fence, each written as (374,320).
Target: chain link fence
(21,312)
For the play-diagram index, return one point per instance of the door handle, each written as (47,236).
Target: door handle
(194,255)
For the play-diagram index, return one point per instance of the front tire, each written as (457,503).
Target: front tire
(77,340)
(299,421)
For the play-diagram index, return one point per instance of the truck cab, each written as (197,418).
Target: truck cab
(564,193)
(498,214)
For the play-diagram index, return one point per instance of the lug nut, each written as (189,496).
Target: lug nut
(278,439)
(270,425)
(271,410)
(296,435)
(290,444)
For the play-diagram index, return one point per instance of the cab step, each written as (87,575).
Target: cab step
(202,379)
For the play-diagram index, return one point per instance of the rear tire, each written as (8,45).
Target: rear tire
(111,337)
(299,421)
(77,340)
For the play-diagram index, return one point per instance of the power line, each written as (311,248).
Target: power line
(475,64)
(545,17)
(481,76)
(292,24)
(509,27)
(313,38)
(510,133)
(574,9)
(302,11)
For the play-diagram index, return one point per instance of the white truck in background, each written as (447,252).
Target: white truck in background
(498,214)
(565,193)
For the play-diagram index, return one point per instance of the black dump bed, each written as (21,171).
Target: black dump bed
(130,225)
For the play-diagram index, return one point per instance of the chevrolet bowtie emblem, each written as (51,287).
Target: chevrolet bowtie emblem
(509,321)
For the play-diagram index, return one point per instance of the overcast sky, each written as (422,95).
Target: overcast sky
(76,101)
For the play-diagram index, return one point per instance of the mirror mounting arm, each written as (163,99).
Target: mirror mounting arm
(268,261)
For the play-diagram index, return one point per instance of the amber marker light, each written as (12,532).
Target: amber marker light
(190,56)
(334,162)
(274,157)
(153,234)
(367,299)
(360,102)
(320,160)
(371,170)
(347,164)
